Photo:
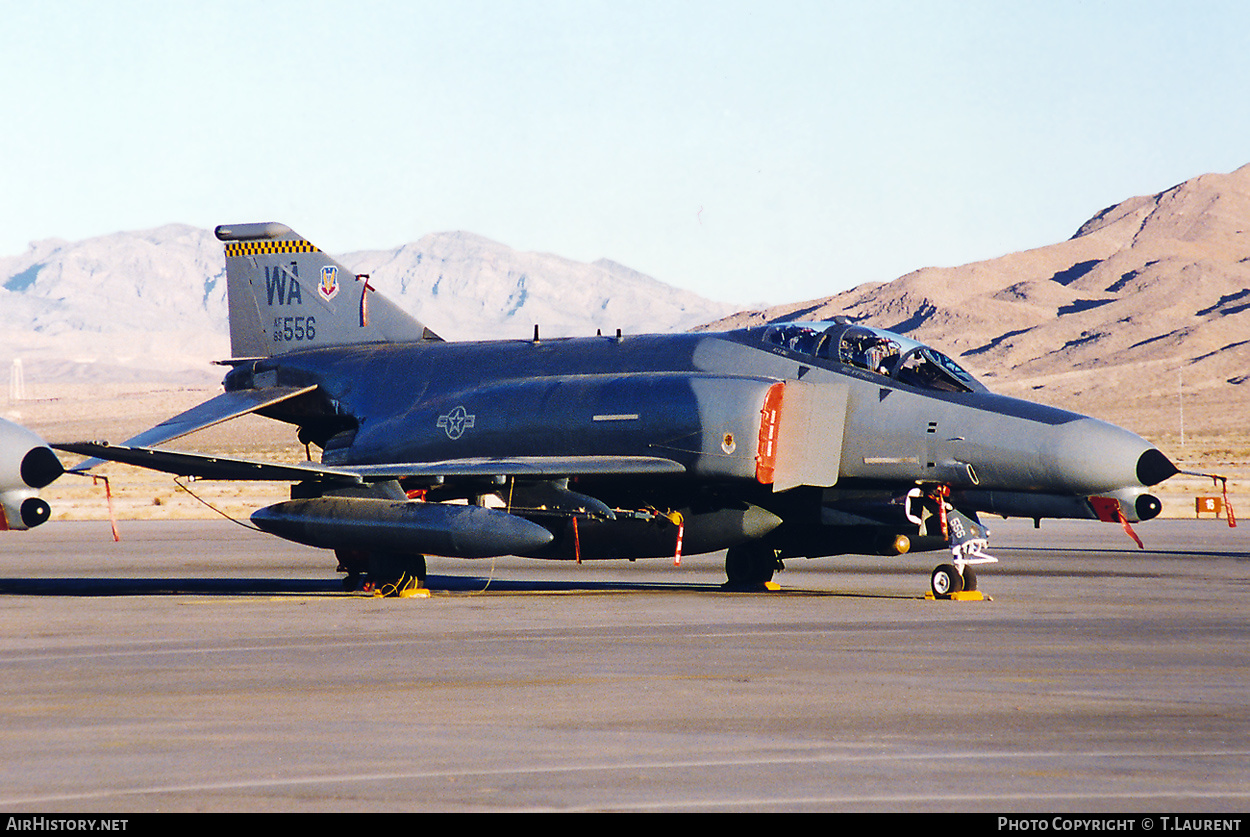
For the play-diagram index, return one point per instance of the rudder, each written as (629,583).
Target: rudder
(284,294)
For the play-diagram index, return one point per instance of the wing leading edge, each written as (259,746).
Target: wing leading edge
(202,466)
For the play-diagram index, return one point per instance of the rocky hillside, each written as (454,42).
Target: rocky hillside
(1143,313)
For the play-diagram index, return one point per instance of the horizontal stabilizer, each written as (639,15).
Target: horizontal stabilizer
(204,466)
(224,407)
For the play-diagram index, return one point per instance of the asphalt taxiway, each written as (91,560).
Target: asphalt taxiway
(198,666)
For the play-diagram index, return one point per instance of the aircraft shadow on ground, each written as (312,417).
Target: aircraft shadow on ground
(165,586)
(103,587)
(1132,553)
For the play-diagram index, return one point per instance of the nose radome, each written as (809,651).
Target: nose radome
(1092,456)
(1153,467)
(40,467)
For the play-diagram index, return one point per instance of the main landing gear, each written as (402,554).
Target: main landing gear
(389,574)
(750,566)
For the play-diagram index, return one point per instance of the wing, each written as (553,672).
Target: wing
(203,466)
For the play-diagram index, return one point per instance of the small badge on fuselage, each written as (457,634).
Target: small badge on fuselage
(456,422)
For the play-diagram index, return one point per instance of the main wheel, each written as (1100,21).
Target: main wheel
(749,566)
(970,580)
(394,573)
(945,581)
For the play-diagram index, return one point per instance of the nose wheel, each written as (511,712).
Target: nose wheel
(947,581)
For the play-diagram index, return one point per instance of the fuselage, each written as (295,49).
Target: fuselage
(698,399)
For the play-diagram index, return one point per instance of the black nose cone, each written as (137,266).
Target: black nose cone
(1153,467)
(40,467)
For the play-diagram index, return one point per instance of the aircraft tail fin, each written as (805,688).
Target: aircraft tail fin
(285,293)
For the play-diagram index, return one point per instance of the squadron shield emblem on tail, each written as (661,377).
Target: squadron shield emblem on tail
(328,287)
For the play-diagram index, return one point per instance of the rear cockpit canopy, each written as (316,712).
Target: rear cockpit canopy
(874,350)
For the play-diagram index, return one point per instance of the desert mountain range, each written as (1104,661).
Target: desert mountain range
(1142,316)
(151,305)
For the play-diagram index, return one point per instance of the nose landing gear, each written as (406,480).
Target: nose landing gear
(950,581)
(967,537)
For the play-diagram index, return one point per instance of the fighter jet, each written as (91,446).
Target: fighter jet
(27,464)
(803,439)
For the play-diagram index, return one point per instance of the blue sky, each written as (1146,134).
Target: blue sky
(770,151)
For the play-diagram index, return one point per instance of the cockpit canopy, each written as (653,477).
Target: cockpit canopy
(874,350)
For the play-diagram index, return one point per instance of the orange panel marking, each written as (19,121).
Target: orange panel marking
(766,453)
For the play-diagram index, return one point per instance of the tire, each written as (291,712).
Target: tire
(749,566)
(946,581)
(390,567)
